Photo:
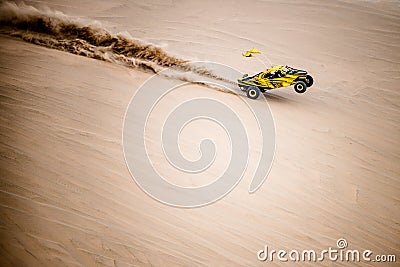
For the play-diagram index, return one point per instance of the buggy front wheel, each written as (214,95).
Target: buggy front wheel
(253,92)
(309,80)
(300,87)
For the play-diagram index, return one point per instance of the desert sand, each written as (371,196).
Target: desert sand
(68,199)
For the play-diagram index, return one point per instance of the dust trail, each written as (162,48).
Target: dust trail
(56,30)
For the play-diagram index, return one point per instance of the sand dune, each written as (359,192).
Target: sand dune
(67,197)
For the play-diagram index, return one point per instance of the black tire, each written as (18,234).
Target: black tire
(300,87)
(309,81)
(253,92)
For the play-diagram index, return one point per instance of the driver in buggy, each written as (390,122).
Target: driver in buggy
(275,74)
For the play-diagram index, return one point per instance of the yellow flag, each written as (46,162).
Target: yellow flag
(249,53)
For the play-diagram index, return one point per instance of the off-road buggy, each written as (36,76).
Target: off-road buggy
(275,77)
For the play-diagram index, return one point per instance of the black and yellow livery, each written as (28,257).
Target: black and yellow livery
(275,77)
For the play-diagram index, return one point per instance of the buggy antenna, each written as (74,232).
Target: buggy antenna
(252,52)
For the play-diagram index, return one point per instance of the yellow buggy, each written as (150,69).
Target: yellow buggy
(275,77)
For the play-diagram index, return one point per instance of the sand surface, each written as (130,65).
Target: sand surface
(67,197)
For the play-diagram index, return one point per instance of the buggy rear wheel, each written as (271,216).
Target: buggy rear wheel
(300,87)
(253,92)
